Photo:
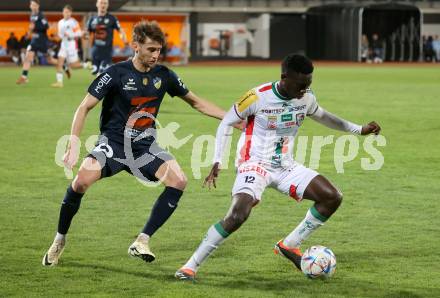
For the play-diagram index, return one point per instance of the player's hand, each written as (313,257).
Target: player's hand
(31,26)
(240,125)
(371,127)
(71,156)
(210,180)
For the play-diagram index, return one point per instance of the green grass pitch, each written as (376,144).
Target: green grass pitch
(385,235)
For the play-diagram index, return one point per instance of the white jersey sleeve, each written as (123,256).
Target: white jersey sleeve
(320,115)
(245,107)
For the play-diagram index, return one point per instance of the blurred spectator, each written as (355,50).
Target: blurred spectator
(127,51)
(13,48)
(365,49)
(377,48)
(436,47)
(428,49)
(3,51)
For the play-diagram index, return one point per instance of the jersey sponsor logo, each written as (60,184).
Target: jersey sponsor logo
(296,108)
(286,117)
(145,81)
(157,82)
(246,100)
(254,168)
(299,118)
(272,111)
(104,81)
(181,84)
(106,21)
(130,85)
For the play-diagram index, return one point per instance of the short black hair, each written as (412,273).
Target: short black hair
(297,63)
(69,7)
(36,1)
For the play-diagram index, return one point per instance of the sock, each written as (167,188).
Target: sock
(213,238)
(25,73)
(162,209)
(308,225)
(69,207)
(60,237)
(59,77)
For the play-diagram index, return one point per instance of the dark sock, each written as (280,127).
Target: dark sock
(25,73)
(162,209)
(69,207)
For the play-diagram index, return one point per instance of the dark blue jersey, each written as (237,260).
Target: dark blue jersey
(131,99)
(39,34)
(102,27)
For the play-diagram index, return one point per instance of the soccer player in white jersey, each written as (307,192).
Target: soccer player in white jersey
(273,113)
(69,31)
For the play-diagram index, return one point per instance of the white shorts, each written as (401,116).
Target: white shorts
(70,53)
(253,178)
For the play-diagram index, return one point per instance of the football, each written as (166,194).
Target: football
(318,262)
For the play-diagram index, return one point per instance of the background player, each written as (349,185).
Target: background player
(274,112)
(38,26)
(69,31)
(102,26)
(131,92)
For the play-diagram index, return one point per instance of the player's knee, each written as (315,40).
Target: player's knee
(179,181)
(81,183)
(334,199)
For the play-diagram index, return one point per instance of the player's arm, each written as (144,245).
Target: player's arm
(121,31)
(72,152)
(332,121)
(246,106)
(60,30)
(203,106)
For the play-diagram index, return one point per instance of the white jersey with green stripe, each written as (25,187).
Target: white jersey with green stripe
(272,122)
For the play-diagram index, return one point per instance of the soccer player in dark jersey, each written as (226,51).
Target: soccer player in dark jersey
(38,26)
(131,93)
(102,26)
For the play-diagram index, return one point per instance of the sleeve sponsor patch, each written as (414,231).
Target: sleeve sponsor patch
(246,100)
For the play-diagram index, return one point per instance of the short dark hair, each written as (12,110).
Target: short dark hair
(297,63)
(68,6)
(144,29)
(36,1)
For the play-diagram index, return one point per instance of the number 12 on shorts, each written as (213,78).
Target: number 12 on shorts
(249,179)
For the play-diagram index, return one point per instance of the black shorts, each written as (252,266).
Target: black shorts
(141,160)
(101,60)
(40,46)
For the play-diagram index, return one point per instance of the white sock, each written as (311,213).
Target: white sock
(213,238)
(59,237)
(308,225)
(59,77)
(143,237)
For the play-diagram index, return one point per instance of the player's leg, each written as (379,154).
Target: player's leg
(238,213)
(100,163)
(303,183)
(174,180)
(28,59)
(89,173)
(59,68)
(247,190)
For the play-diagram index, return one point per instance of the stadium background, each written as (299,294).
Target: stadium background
(385,235)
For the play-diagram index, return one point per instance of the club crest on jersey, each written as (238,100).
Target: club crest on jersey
(157,82)
(145,81)
(271,122)
(106,21)
(299,118)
